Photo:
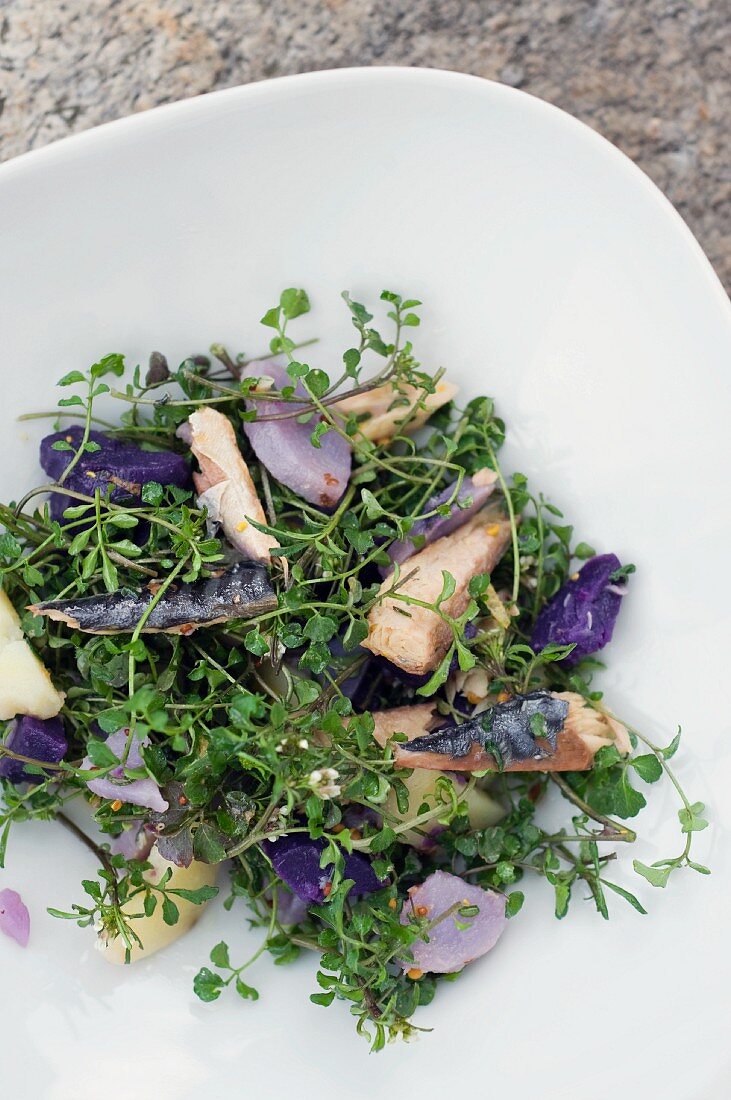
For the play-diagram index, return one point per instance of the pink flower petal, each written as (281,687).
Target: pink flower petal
(14,917)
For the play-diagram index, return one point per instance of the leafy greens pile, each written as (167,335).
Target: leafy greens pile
(245,726)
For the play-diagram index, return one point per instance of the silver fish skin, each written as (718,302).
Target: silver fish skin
(241,592)
(505,729)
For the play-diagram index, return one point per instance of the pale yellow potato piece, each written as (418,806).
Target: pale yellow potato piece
(25,683)
(153,931)
(482,809)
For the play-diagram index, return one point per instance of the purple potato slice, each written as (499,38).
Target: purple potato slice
(317,474)
(118,468)
(583,612)
(41,739)
(296,860)
(455,940)
(472,494)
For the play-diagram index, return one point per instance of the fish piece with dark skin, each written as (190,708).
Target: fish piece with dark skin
(570,743)
(524,727)
(240,592)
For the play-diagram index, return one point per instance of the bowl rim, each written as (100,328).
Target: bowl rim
(198,106)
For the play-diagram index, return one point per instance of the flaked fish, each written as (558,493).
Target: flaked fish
(224,484)
(240,592)
(415,638)
(394,408)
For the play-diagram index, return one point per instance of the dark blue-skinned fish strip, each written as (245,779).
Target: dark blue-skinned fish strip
(241,592)
(525,727)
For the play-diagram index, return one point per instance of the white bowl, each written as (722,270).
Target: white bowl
(556,278)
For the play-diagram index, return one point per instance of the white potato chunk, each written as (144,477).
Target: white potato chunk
(153,931)
(25,683)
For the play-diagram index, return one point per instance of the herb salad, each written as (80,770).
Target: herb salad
(303,625)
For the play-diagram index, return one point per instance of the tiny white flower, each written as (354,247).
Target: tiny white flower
(329,790)
(303,743)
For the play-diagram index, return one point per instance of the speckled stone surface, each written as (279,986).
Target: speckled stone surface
(654,76)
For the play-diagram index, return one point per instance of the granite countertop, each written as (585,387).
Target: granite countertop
(654,76)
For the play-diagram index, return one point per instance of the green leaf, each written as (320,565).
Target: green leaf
(170,911)
(110,364)
(61,445)
(89,567)
(79,542)
(256,643)
(627,897)
(152,493)
(672,748)
(439,675)
(207,985)
(514,903)
(320,628)
(322,998)
(320,429)
(583,551)
(465,657)
(293,303)
(243,707)
(563,896)
(100,754)
(449,586)
(32,576)
(271,317)
(622,573)
(219,956)
(123,520)
(109,574)
(505,871)
(67,402)
(4,835)
(247,992)
(372,508)
(691,820)
(70,378)
(356,633)
(207,845)
(110,721)
(478,584)
(648,767)
(317,381)
(656,876)
(382,840)
(149,904)
(695,866)
(538,725)
(351,358)
(10,548)
(197,897)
